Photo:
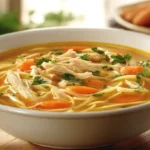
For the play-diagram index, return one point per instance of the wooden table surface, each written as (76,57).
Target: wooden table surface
(142,142)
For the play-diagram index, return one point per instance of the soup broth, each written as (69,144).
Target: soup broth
(74,77)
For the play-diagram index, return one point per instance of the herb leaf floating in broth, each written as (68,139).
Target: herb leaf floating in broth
(121,59)
(96,73)
(37,80)
(143,73)
(75,78)
(95,49)
(39,62)
(85,56)
(71,78)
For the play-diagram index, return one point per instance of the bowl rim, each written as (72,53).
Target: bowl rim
(71,115)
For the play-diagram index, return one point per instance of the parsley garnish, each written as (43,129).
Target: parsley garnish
(71,78)
(144,63)
(144,73)
(39,62)
(53,61)
(117,75)
(37,80)
(20,56)
(57,51)
(85,56)
(95,49)
(96,73)
(1,93)
(98,95)
(121,59)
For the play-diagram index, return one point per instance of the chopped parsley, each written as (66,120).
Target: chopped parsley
(72,79)
(96,73)
(53,61)
(95,49)
(144,63)
(39,62)
(121,59)
(1,93)
(144,73)
(56,51)
(21,56)
(104,67)
(85,56)
(37,80)
(98,95)
(117,75)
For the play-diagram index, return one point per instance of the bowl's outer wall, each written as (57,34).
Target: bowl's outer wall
(75,132)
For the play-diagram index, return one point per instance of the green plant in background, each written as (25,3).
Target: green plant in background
(9,22)
(59,18)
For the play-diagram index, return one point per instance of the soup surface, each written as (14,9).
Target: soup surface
(74,77)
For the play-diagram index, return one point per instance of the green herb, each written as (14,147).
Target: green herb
(144,73)
(78,52)
(138,79)
(20,56)
(144,63)
(95,49)
(98,95)
(53,61)
(39,62)
(96,73)
(71,78)
(1,93)
(127,57)
(117,75)
(37,80)
(121,59)
(85,56)
(56,52)
(104,67)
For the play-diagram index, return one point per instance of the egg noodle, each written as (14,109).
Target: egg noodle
(74,78)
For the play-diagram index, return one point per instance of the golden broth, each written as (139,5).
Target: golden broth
(93,77)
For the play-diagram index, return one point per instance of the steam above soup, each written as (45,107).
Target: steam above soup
(62,77)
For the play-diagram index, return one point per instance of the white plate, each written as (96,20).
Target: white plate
(129,25)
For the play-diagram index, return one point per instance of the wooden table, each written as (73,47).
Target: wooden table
(142,142)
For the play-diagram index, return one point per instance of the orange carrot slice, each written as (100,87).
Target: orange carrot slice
(94,83)
(53,104)
(127,98)
(131,70)
(83,89)
(26,65)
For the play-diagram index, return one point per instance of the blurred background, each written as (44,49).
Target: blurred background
(18,15)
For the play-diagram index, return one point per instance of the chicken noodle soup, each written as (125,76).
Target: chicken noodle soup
(74,77)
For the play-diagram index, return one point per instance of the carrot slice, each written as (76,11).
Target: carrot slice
(127,98)
(26,65)
(54,104)
(131,70)
(94,83)
(83,89)
(76,48)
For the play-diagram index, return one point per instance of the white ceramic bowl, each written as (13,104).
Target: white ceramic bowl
(75,130)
